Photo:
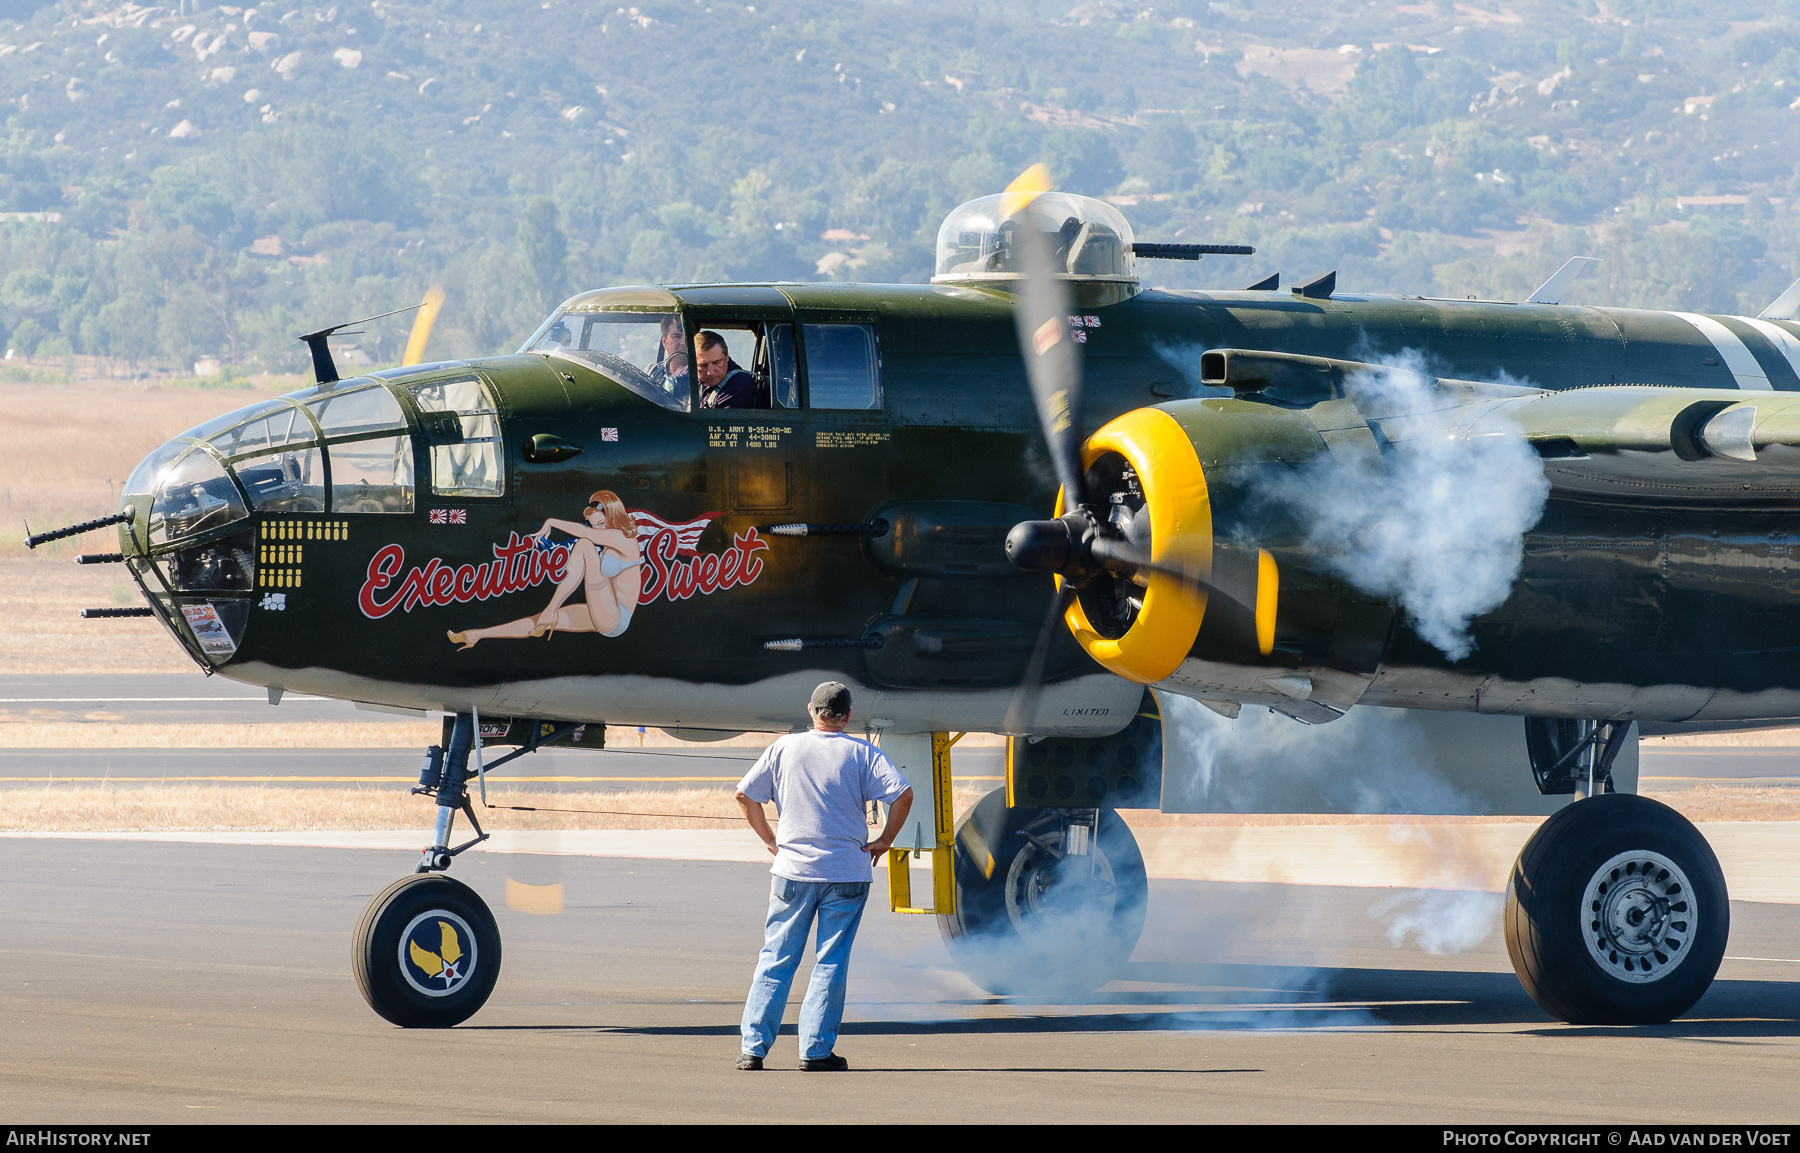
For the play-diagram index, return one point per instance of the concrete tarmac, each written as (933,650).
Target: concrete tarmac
(547,770)
(175,982)
(162,698)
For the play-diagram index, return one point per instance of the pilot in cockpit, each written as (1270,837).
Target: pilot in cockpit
(671,368)
(724,383)
(559,336)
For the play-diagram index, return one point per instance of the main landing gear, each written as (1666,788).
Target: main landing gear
(1049,901)
(426,951)
(1616,913)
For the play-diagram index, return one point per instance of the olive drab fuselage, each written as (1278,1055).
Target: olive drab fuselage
(1653,603)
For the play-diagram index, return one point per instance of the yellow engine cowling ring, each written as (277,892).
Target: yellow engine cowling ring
(1181,535)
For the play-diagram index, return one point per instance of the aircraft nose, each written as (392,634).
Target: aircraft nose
(190,542)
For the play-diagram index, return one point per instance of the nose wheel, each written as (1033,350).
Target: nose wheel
(426,952)
(1617,913)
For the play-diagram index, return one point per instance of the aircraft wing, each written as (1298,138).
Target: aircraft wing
(1671,443)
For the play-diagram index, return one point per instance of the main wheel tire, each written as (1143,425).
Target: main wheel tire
(1036,923)
(1616,913)
(426,952)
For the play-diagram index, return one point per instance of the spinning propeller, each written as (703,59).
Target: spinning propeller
(1101,547)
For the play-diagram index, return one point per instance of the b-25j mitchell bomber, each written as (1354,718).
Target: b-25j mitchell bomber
(896,487)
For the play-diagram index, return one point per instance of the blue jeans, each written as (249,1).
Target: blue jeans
(792,906)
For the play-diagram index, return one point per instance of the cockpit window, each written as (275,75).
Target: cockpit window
(232,419)
(360,410)
(842,367)
(462,424)
(292,480)
(646,352)
(372,475)
(283,425)
(195,496)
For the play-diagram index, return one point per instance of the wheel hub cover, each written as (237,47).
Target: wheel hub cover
(437,953)
(1638,914)
(1060,900)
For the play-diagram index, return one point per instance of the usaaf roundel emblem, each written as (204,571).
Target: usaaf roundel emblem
(600,570)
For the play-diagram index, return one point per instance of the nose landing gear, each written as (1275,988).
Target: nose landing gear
(426,952)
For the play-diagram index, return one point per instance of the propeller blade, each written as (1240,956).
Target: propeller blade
(1025,699)
(1041,312)
(1124,552)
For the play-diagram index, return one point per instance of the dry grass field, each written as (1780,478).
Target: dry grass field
(66,452)
(398,733)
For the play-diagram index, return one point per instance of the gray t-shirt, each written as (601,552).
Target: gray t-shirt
(822,784)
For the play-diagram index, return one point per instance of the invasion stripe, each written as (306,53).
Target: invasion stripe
(1781,338)
(1732,351)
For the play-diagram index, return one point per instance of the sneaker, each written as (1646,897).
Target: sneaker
(748,1061)
(829,1063)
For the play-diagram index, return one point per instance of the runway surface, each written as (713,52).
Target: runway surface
(545,770)
(163,698)
(178,982)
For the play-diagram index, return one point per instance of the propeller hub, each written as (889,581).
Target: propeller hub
(1065,546)
(1040,545)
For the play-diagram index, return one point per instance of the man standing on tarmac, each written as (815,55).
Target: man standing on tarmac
(821,782)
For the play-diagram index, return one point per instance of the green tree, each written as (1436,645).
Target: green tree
(1164,157)
(1082,160)
(181,198)
(543,252)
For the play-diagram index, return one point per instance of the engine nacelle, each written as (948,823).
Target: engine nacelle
(1232,607)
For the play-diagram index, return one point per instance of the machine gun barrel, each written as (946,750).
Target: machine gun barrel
(1188,251)
(32,541)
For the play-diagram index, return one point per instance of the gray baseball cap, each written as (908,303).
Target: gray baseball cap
(831,697)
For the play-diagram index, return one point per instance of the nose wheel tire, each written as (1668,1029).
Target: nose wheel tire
(1042,909)
(1616,913)
(426,952)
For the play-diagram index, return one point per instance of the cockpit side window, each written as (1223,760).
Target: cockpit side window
(757,368)
(461,423)
(370,451)
(843,368)
(646,352)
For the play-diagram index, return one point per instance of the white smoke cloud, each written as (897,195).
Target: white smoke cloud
(1371,760)
(1440,921)
(1436,521)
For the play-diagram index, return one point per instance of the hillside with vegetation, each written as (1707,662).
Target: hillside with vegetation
(204,182)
